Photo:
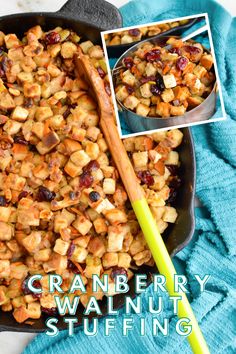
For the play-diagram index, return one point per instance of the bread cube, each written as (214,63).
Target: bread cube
(195,101)
(163,109)
(32,90)
(109,186)
(85,46)
(150,69)
(82,224)
(100,225)
(124,260)
(72,170)
(104,205)
(43,255)
(157,212)
(169,81)
(116,236)
(116,216)
(175,136)
(177,110)
(20,114)
(142,110)
(168,95)
(128,78)
(34,310)
(61,247)
(21,314)
(18,270)
(145,90)
(170,214)
(173,158)
(207,61)
(110,259)
(43,113)
(68,49)
(92,133)
(161,225)
(159,182)
(131,102)
(140,159)
(32,242)
(6,231)
(11,41)
(80,158)
(126,39)
(93,266)
(181,93)
(5,213)
(3,298)
(199,71)
(95,52)
(97,247)
(122,93)
(4,268)
(6,101)
(78,134)
(79,255)
(92,149)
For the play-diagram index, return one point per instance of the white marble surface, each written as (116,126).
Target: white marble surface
(14,343)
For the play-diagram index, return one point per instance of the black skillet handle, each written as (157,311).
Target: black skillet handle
(98,13)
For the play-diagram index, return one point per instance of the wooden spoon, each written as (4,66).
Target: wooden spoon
(135,192)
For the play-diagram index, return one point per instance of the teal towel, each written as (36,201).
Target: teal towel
(213,249)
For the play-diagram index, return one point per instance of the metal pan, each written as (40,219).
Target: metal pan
(115,51)
(88,19)
(137,123)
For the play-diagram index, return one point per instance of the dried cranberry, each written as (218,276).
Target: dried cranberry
(130,89)
(19,139)
(86,180)
(70,250)
(160,83)
(3,201)
(107,88)
(174,169)
(22,194)
(101,72)
(26,291)
(94,196)
(49,311)
(191,49)
(66,113)
(146,177)
(28,102)
(128,62)
(153,55)
(181,63)
(91,166)
(52,38)
(45,195)
(118,271)
(145,79)
(71,266)
(155,90)
(175,50)
(135,32)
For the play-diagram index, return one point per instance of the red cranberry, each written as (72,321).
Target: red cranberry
(155,90)
(71,266)
(181,63)
(45,195)
(52,38)
(70,250)
(22,194)
(118,271)
(94,196)
(107,88)
(146,177)
(86,180)
(145,79)
(191,49)
(91,166)
(26,291)
(101,72)
(160,83)
(3,201)
(130,89)
(175,50)
(135,32)
(128,62)
(19,139)
(153,55)
(49,311)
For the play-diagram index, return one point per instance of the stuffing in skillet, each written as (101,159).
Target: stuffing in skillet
(63,208)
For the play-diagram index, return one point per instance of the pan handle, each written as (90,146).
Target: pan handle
(97,12)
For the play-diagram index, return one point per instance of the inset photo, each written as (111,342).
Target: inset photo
(164,75)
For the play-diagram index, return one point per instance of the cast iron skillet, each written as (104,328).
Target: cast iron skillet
(88,18)
(115,51)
